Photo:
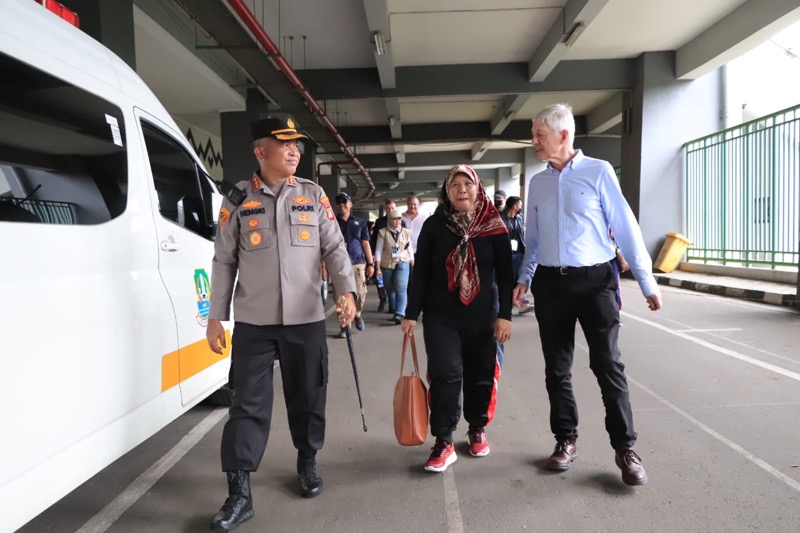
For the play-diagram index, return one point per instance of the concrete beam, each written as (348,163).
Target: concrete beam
(445,132)
(605,116)
(443,160)
(741,30)
(378,21)
(480,149)
(471,79)
(552,49)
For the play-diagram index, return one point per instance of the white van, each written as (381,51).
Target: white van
(107,220)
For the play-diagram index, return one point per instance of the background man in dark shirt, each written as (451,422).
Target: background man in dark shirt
(356,240)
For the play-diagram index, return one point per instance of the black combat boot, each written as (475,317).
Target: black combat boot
(310,480)
(238,507)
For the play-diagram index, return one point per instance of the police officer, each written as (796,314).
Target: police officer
(275,239)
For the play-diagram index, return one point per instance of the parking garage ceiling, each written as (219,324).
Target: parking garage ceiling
(415,86)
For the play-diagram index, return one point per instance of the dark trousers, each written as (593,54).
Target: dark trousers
(460,355)
(303,354)
(587,296)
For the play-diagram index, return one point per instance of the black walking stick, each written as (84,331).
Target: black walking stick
(355,373)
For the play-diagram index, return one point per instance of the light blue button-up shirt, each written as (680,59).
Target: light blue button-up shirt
(567,219)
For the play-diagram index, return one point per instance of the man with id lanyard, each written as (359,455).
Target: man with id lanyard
(512,217)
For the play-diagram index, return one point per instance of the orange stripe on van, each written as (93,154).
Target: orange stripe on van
(184,363)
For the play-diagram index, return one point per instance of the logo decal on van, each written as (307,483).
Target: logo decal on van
(255,238)
(224,216)
(250,204)
(302,200)
(202,287)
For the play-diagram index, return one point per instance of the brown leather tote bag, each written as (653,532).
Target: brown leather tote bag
(410,402)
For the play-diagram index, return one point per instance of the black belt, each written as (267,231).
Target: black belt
(569,271)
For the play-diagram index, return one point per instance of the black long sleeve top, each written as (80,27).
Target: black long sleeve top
(428,290)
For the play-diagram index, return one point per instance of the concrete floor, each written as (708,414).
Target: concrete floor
(715,387)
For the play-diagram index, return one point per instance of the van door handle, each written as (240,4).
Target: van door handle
(169,245)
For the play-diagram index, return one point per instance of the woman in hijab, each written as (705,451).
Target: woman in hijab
(462,249)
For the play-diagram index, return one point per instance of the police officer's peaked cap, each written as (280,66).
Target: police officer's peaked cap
(343,198)
(281,128)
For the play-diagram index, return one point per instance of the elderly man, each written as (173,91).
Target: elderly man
(568,252)
(356,239)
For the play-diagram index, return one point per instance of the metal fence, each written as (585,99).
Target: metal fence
(743,193)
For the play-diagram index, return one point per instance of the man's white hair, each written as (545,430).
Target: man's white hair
(557,117)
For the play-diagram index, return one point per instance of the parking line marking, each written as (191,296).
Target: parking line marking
(455,523)
(725,351)
(139,486)
(735,447)
(712,330)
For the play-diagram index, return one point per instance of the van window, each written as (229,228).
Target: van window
(184,190)
(62,150)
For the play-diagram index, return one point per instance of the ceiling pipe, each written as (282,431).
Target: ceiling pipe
(261,36)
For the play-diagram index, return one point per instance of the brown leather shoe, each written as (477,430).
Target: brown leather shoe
(564,453)
(631,465)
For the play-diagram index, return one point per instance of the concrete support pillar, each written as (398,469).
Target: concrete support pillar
(237,148)
(330,183)
(659,116)
(308,163)
(110,22)
(506,182)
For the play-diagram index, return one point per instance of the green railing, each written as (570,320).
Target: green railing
(743,193)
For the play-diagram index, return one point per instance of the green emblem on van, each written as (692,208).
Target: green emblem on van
(203,288)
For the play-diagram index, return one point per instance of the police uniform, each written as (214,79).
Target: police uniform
(276,244)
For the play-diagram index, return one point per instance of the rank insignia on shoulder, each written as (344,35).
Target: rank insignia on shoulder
(232,193)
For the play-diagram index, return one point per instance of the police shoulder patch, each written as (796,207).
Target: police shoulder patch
(224,216)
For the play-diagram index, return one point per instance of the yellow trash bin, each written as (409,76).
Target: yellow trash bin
(671,252)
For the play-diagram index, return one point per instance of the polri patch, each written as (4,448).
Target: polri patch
(328,209)
(224,216)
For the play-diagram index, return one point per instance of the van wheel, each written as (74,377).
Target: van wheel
(222,397)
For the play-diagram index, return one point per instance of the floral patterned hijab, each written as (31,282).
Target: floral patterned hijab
(482,220)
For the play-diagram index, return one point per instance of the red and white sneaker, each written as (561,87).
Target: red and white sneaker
(478,445)
(442,456)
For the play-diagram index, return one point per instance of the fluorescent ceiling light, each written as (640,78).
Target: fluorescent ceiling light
(576,32)
(380,43)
